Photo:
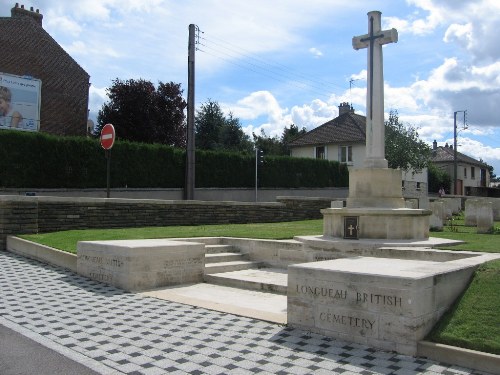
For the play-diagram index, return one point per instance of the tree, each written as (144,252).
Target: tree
(268,145)
(275,145)
(437,179)
(290,134)
(140,112)
(215,131)
(403,148)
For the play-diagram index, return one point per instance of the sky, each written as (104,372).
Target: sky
(276,63)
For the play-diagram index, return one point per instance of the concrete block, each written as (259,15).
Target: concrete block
(135,265)
(337,204)
(391,304)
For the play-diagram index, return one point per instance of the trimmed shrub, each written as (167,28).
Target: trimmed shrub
(38,160)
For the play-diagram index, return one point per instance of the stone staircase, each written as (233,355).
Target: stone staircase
(225,265)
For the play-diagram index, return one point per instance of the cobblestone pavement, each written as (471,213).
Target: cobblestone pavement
(115,332)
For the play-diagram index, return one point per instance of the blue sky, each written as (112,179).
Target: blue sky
(274,63)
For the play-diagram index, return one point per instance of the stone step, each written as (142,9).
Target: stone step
(214,249)
(265,279)
(222,257)
(230,266)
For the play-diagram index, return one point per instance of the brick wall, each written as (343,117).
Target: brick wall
(20,215)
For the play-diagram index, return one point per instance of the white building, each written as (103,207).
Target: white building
(343,139)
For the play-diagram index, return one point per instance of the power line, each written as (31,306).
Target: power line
(239,57)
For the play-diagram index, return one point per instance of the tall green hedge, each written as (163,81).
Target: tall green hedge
(38,160)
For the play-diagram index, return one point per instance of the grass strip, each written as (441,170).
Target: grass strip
(473,322)
(67,240)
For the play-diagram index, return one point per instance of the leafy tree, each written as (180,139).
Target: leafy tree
(268,145)
(403,148)
(142,113)
(289,134)
(437,178)
(275,145)
(215,131)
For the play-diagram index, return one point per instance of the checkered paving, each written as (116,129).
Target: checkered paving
(130,334)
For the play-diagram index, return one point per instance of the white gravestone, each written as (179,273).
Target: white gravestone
(484,217)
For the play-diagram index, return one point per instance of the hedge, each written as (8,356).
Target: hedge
(39,160)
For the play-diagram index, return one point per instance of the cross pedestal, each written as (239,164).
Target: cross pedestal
(375,194)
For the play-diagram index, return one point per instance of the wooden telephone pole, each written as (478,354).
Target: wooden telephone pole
(190,145)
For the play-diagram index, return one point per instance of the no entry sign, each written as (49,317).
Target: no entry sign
(107,136)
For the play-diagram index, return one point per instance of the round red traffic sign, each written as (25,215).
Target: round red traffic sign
(107,136)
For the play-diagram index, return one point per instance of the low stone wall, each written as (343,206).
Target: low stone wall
(21,215)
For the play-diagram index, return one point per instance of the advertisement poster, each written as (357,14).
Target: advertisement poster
(20,102)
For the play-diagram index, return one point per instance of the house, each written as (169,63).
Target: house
(343,139)
(29,51)
(472,174)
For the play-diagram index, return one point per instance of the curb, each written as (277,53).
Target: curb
(459,356)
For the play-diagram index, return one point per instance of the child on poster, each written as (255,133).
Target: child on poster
(9,117)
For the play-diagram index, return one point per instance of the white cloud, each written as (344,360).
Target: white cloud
(315,52)
(63,24)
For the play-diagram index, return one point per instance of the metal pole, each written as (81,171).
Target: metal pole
(190,146)
(256,173)
(108,174)
(455,180)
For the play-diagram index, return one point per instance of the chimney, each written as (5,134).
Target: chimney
(21,12)
(434,145)
(345,108)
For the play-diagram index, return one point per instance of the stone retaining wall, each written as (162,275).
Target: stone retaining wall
(21,215)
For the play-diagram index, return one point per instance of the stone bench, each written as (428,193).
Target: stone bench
(135,265)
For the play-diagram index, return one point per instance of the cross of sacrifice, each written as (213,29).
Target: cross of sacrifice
(375,130)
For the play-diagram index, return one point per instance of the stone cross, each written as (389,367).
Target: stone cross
(375,129)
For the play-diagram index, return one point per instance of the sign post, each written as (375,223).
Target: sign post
(107,141)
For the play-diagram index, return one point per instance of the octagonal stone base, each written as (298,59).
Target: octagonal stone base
(378,223)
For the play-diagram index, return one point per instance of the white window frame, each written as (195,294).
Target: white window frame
(348,154)
(316,152)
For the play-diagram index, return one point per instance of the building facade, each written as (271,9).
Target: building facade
(343,139)
(29,51)
(471,173)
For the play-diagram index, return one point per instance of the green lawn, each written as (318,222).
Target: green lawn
(473,322)
(67,240)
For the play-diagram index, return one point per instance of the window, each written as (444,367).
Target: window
(345,154)
(465,172)
(472,173)
(320,152)
(418,185)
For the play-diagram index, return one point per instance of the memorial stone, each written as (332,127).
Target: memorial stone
(135,265)
(484,217)
(471,206)
(436,219)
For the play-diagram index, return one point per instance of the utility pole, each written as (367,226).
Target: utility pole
(190,145)
(259,160)
(455,165)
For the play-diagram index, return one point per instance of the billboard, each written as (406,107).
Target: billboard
(20,98)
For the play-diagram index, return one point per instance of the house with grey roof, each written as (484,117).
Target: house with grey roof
(343,139)
(29,51)
(471,173)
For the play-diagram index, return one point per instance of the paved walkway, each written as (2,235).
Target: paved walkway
(113,332)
